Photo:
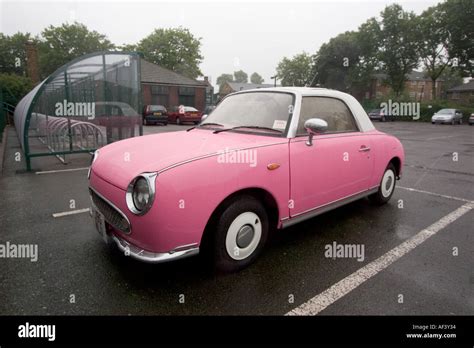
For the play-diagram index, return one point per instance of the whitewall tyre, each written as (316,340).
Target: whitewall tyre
(240,234)
(387,186)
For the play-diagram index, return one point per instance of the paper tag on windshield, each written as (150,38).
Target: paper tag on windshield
(279,124)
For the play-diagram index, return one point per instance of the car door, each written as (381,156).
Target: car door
(339,164)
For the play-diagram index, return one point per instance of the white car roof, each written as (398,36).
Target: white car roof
(362,119)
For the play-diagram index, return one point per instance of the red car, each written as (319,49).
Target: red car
(181,114)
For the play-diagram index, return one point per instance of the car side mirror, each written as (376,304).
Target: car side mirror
(203,117)
(314,126)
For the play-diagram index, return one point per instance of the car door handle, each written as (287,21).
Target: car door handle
(364,148)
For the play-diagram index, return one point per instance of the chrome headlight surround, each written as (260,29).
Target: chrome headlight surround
(150,179)
(94,157)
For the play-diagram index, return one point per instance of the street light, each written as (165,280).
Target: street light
(274,78)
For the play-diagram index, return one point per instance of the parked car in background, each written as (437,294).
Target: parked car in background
(181,114)
(266,159)
(471,119)
(450,116)
(378,114)
(154,114)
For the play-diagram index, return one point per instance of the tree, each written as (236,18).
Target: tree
(14,87)
(241,76)
(458,22)
(451,77)
(398,40)
(175,49)
(433,44)
(223,78)
(295,71)
(62,44)
(13,52)
(256,78)
(335,60)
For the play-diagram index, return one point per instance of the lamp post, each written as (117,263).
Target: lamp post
(274,78)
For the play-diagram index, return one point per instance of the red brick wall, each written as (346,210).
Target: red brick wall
(200,99)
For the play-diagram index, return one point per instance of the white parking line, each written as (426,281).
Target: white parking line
(346,285)
(435,194)
(61,170)
(71,212)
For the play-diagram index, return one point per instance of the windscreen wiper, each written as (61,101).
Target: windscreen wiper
(205,124)
(253,127)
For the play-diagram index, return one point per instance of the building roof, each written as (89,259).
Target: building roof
(466,87)
(152,73)
(238,86)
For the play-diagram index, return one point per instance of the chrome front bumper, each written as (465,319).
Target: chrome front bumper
(150,257)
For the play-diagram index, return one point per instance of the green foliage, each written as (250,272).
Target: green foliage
(256,78)
(399,42)
(13,53)
(175,49)
(62,44)
(457,19)
(14,87)
(241,76)
(295,71)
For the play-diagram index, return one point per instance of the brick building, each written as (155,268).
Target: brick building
(463,94)
(417,86)
(164,87)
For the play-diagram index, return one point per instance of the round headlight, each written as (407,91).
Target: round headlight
(141,194)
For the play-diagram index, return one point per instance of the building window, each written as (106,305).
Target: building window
(160,95)
(412,95)
(186,96)
(413,83)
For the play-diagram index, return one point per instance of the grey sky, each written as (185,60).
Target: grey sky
(235,35)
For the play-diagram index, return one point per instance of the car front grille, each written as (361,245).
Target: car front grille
(111,214)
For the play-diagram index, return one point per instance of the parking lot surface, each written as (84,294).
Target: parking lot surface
(76,273)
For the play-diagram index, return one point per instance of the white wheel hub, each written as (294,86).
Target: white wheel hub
(388,183)
(243,236)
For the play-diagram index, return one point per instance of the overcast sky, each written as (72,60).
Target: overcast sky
(247,35)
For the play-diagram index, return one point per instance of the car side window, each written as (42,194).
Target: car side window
(334,111)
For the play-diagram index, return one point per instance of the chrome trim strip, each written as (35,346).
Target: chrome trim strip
(150,178)
(150,257)
(113,206)
(310,213)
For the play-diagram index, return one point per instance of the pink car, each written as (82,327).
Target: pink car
(263,160)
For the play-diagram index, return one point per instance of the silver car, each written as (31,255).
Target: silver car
(451,116)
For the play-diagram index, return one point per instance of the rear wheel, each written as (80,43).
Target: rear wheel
(386,188)
(178,121)
(240,234)
(145,123)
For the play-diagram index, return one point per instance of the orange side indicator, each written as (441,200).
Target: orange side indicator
(273,166)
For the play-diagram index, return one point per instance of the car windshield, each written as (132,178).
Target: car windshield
(258,110)
(446,111)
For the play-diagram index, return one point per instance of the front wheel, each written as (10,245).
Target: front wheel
(239,234)
(386,188)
